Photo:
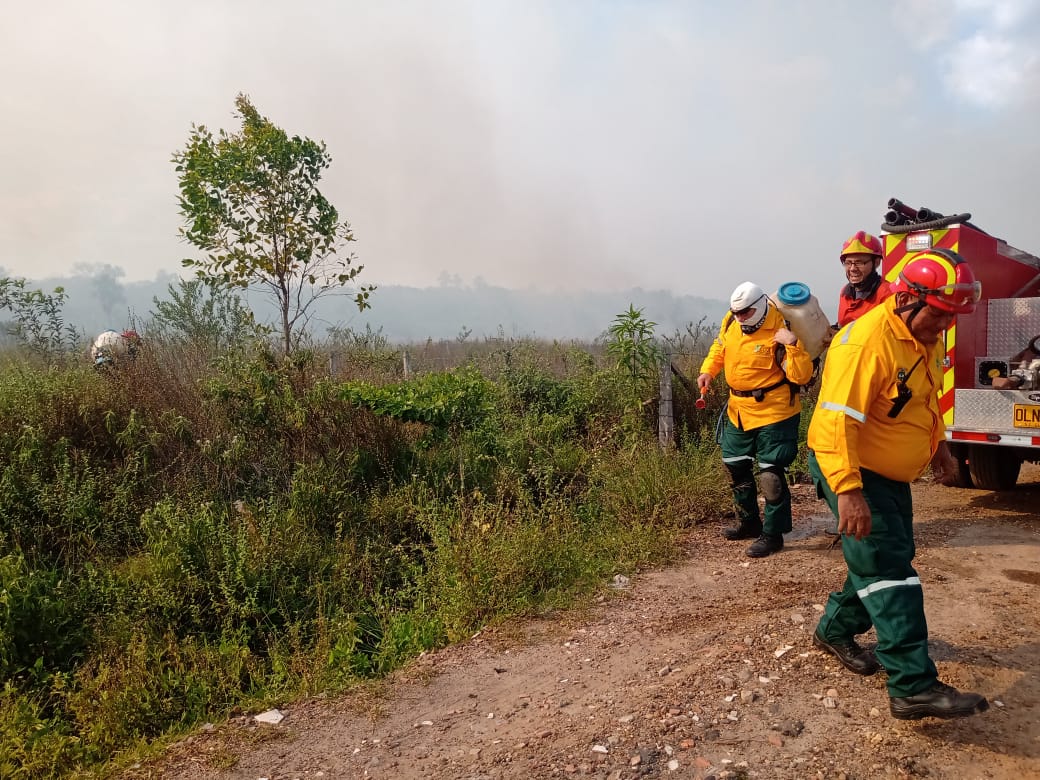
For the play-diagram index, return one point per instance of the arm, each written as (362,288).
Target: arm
(797,364)
(945,468)
(853,514)
(714,362)
(852,379)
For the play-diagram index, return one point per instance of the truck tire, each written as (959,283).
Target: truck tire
(960,454)
(993,468)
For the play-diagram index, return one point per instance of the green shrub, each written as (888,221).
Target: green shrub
(35,745)
(73,474)
(488,561)
(235,568)
(445,401)
(139,686)
(43,621)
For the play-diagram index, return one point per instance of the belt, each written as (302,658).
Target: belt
(758,393)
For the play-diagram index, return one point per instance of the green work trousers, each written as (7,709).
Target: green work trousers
(775,446)
(882,588)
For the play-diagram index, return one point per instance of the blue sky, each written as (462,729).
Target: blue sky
(558,145)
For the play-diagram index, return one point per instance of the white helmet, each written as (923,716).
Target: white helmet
(749,295)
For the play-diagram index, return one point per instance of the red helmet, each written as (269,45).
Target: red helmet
(940,278)
(862,243)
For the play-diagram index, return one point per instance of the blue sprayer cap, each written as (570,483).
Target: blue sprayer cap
(793,293)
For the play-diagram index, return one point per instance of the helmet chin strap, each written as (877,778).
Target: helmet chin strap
(914,309)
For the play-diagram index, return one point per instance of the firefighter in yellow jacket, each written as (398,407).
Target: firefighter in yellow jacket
(765,366)
(876,427)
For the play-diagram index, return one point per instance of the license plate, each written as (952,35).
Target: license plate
(1027,416)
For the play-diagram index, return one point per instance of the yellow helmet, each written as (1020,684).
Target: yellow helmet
(862,243)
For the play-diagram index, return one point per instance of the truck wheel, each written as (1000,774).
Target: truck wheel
(993,468)
(960,454)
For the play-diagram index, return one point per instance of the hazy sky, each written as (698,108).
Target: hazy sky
(556,144)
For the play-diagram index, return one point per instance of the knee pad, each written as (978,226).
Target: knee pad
(773,484)
(741,473)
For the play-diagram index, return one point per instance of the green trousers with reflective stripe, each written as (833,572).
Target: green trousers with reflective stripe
(775,444)
(882,588)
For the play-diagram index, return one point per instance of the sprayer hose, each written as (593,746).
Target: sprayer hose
(932,224)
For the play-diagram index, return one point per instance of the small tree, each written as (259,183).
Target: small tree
(250,201)
(38,321)
(212,319)
(632,344)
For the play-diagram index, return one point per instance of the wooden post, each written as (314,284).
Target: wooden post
(406,364)
(665,416)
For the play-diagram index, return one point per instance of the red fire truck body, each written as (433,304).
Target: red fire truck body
(990,396)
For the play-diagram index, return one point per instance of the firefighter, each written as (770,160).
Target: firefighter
(876,427)
(765,365)
(111,348)
(861,257)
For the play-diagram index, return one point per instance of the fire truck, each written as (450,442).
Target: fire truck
(990,394)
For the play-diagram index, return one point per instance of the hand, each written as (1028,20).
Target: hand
(784,336)
(703,381)
(945,469)
(853,514)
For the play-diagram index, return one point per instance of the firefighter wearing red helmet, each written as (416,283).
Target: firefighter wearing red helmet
(861,256)
(765,364)
(876,427)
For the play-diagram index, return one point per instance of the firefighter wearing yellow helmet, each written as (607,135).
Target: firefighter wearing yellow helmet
(876,427)
(861,257)
(765,365)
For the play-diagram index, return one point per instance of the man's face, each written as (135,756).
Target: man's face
(858,266)
(929,323)
(744,314)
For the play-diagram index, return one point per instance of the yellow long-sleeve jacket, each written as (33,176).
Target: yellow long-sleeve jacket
(750,363)
(851,428)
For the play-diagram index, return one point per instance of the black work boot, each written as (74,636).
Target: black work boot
(765,545)
(939,701)
(743,531)
(852,656)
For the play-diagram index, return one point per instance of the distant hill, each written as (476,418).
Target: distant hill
(101,300)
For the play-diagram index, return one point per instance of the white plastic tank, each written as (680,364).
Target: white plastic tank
(801,309)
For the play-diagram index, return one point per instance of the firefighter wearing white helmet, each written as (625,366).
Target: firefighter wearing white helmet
(765,366)
(112,347)
(749,297)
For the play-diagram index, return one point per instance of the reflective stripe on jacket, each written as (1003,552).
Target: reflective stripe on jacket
(851,427)
(750,363)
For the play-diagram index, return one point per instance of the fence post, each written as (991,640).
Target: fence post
(665,415)
(406,364)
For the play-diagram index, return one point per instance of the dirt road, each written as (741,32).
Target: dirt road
(700,670)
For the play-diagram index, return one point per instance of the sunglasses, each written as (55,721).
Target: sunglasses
(959,294)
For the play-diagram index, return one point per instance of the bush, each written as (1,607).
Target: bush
(43,622)
(33,743)
(183,539)
(138,686)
